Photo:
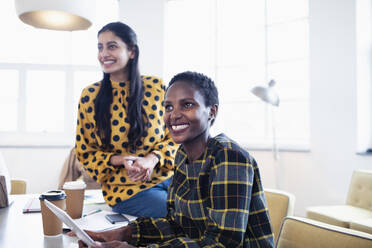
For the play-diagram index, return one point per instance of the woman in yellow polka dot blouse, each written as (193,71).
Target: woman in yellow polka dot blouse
(121,138)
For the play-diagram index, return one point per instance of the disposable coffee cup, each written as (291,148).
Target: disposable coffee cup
(75,198)
(52,225)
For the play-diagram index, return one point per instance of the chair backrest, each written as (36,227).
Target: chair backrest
(297,232)
(73,170)
(18,187)
(360,190)
(280,204)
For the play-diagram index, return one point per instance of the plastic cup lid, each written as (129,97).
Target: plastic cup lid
(74,185)
(53,195)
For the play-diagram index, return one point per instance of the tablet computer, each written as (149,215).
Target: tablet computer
(65,218)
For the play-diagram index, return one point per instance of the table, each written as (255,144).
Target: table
(26,230)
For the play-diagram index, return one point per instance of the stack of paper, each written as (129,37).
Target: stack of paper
(98,222)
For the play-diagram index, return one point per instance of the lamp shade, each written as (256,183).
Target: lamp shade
(267,94)
(65,15)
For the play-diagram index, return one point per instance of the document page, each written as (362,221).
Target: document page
(98,222)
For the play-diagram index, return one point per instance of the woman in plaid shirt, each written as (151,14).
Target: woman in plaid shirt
(216,197)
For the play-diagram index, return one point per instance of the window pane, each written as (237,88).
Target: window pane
(9,100)
(288,41)
(286,10)
(292,79)
(240,32)
(292,120)
(242,121)
(235,83)
(45,101)
(189,41)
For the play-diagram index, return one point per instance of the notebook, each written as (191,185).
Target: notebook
(32,206)
(97,222)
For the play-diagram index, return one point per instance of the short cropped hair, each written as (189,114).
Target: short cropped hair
(203,83)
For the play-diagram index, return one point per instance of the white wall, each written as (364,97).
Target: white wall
(318,177)
(364,73)
(322,176)
(40,167)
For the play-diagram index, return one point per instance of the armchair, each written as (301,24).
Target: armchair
(358,205)
(297,232)
(280,204)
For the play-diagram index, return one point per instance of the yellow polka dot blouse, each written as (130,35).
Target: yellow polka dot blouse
(116,186)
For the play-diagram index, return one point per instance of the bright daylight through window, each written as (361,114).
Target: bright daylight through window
(43,73)
(241,44)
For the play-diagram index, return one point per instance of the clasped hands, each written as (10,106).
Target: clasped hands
(138,168)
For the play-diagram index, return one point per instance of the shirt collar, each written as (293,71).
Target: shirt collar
(119,85)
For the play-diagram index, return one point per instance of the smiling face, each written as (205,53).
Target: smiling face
(186,115)
(113,55)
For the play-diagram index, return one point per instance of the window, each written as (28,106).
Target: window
(43,73)
(9,100)
(241,44)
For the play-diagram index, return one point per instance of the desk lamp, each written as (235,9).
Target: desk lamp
(269,95)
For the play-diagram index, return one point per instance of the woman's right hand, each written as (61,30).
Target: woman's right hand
(113,244)
(127,162)
(134,172)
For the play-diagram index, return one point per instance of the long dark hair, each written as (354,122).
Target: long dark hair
(103,100)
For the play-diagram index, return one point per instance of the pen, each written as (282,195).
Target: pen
(93,212)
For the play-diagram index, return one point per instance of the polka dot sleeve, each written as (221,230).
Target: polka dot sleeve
(88,144)
(165,151)
(163,146)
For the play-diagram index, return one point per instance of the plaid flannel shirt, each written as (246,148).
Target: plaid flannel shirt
(217,201)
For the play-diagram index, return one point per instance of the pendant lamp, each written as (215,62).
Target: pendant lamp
(64,15)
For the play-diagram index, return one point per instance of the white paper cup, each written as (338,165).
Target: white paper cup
(75,198)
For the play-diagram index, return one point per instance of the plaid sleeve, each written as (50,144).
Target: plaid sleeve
(235,214)
(150,230)
(231,179)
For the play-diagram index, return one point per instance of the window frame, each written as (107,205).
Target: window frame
(22,137)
